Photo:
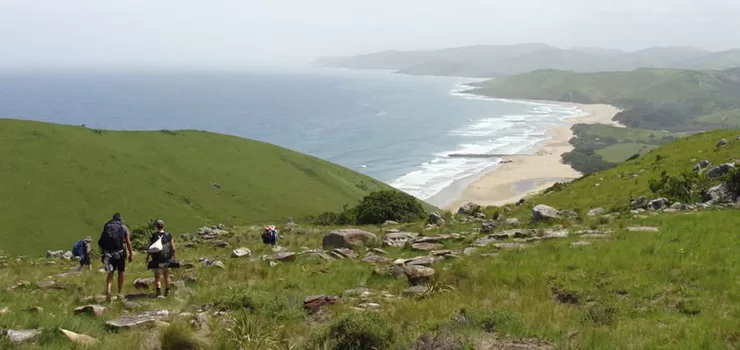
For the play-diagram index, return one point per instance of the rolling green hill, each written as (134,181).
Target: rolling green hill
(60,183)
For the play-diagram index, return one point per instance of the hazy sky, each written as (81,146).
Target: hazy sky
(240,32)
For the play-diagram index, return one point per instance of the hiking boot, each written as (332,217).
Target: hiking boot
(160,296)
(108,297)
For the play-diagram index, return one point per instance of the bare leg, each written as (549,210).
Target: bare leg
(157,279)
(166,281)
(108,284)
(120,282)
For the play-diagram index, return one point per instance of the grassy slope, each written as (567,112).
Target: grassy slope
(622,151)
(61,183)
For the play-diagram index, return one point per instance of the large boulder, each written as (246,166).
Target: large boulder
(348,238)
(469,208)
(658,204)
(398,239)
(721,194)
(436,219)
(722,143)
(720,170)
(417,274)
(543,212)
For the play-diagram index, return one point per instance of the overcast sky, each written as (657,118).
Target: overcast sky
(242,32)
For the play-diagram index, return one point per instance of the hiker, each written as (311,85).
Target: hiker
(111,244)
(82,250)
(270,235)
(162,253)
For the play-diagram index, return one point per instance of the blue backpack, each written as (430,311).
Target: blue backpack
(77,248)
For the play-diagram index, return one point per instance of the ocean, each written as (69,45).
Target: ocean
(396,128)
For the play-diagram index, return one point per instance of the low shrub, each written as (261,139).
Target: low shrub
(381,206)
(179,337)
(689,187)
(363,331)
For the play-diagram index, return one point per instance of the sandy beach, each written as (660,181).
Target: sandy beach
(522,175)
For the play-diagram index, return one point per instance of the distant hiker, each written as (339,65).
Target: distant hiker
(111,244)
(162,253)
(270,235)
(82,250)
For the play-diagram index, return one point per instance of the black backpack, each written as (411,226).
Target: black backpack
(167,251)
(111,239)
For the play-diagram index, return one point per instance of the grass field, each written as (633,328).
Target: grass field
(61,183)
(620,152)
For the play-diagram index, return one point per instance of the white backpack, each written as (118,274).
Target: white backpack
(156,247)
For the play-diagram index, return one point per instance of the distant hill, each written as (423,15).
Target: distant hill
(497,60)
(61,183)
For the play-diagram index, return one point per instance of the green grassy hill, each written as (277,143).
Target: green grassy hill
(659,99)
(61,183)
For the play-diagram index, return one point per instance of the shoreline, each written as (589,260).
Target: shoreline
(524,174)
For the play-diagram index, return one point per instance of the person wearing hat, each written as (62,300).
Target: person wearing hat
(85,256)
(161,261)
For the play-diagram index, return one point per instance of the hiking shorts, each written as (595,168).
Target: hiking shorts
(114,262)
(85,260)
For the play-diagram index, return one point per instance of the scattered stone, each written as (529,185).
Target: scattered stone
(149,318)
(679,206)
(432,239)
(49,285)
(543,212)
(569,213)
(316,302)
(658,204)
(221,244)
(468,251)
(595,212)
(579,244)
(214,263)
(346,252)
(721,194)
(722,143)
(512,221)
(642,229)
(201,323)
(81,339)
(720,170)
(240,252)
(436,219)
(416,290)
(94,310)
(548,234)
(144,283)
(398,239)
(701,165)
(445,252)
(422,260)
(640,203)
(389,222)
(418,274)
(379,251)
(348,238)
(280,256)
(21,335)
(36,309)
(389,271)
(426,246)
(376,259)
(595,235)
(509,246)
(487,227)
(469,209)
(356,292)
(480,216)
(368,306)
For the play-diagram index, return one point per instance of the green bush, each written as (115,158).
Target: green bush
(689,187)
(179,337)
(249,332)
(381,206)
(140,235)
(732,179)
(360,331)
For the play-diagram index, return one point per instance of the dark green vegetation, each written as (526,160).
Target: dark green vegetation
(376,208)
(493,61)
(671,289)
(61,183)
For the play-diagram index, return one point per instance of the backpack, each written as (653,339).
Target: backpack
(166,253)
(111,239)
(77,248)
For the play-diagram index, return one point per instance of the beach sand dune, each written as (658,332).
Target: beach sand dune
(527,174)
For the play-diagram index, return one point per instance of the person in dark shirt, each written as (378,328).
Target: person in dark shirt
(159,262)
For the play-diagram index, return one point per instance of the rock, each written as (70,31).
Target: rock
(445,252)
(512,221)
(280,256)
(398,239)
(579,244)
(346,252)
(316,302)
(149,318)
(416,290)
(679,206)
(221,244)
(94,310)
(218,264)
(555,234)
(721,194)
(356,292)
(701,165)
(201,323)
(376,259)
(658,204)
(487,227)
(521,202)
(722,143)
(36,309)
(186,236)
(423,260)
(389,271)
(81,339)
(418,274)
(240,252)
(21,335)
(389,222)
(509,246)
(54,254)
(468,251)
(368,306)
(436,219)
(543,212)
(379,251)
(49,285)
(426,246)
(469,209)
(569,214)
(595,212)
(640,203)
(642,229)
(720,170)
(144,283)
(348,238)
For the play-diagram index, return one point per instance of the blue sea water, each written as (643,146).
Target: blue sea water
(396,128)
